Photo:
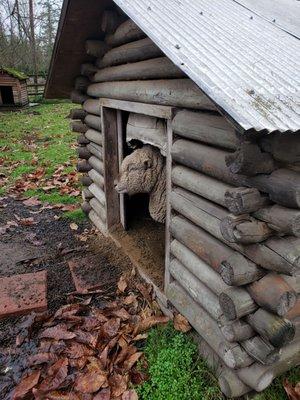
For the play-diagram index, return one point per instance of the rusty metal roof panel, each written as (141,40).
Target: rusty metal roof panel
(247,65)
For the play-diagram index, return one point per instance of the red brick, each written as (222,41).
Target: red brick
(21,294)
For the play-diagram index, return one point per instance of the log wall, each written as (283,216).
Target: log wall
(233,213)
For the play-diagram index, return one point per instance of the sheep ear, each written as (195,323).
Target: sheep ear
(147,164)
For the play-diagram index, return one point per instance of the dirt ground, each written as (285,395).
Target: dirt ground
(48,243)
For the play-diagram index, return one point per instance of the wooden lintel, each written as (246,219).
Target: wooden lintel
(140,108)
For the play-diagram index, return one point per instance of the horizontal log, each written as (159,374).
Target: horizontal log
(98,193)
(236,270)
(81,139)
(96,48)
(98,208)
(236,302)
(171,92)
(96,150)
(205,246)
(87,194)
(231,386)
(198,267)
(197,290)
(250,160)
(261,351)
(97,221)
(78,126)
(275,254)
(207,128)
(96,178)
(128,31)
(237,331)
(205,159)
(96,164)
(244,229)
(81,83)
(140,50)
(86,208)
(240,200)
(295,311)
(259,376)
(83,153)
(148,130)
(92,106)
(230,353)
(78,97)
(86,180)
(283,220)
(83,166)
(282,185)
(93,121)
(110,21)
(277,330)
(284,148)
(273,293)
(77,113)
(244,200)
(157,68)
(293,282)
(88,70)
(94,136)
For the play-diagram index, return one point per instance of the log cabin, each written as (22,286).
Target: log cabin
(13,89)
(214,88)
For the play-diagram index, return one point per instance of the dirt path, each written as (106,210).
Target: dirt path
(34,238)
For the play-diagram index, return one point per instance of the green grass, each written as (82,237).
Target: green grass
(38,137)
(177,372)
(175,369)
(75,216)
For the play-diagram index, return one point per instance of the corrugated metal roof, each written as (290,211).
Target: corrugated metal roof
(248,66)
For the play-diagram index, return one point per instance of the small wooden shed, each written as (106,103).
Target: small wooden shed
(214,88)
(13,89)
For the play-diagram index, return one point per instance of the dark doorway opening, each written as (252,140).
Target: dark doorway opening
(6,95)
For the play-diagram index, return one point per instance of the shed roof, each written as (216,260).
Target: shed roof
(14,73)
(243,60)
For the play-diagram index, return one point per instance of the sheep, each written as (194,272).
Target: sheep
(144,171)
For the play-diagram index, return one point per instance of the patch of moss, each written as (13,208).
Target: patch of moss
(15,73)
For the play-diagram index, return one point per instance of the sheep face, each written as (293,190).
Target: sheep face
(139,171)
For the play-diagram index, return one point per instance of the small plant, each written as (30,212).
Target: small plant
(175,369)
(75,216)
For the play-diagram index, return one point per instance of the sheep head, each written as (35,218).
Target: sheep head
(140,170)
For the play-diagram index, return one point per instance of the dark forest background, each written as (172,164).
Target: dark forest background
(27,34)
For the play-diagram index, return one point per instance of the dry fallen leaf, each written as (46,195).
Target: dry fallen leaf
(122,284)
(130,395)
(293,392)
(149,322)
(104,394)
(31,202)
(58,332)
(90,382)
(26,385)
(181,324)
(57,374)
(74,226)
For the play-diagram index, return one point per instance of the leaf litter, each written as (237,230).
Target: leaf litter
(83,352)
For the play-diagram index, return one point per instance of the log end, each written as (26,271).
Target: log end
(286,302)
(86,208)
(228,307)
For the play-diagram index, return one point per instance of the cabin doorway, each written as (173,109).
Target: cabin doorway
(130,224)
(6,95)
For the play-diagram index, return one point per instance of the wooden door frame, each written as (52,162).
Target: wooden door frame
(111,120)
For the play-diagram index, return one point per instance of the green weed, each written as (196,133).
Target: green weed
(176,371)
(75,216)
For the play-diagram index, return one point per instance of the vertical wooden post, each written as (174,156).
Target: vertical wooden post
(111,165)
(123,218)
(168,209)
